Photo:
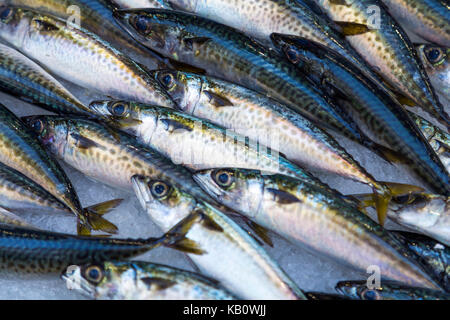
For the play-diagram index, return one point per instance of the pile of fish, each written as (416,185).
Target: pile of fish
(222,118)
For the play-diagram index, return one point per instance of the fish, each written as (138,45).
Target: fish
(436,61)
(25,79)
(95,16)
(21,150)
(438,139)
(383,43)
(138,280)
(317,221)
(229,54)
(78,56)
(259,19)
(201,144)
(381,114)
(358,290)
(24,250)
(230,254)
(199,140)
(105,155)
(429,19)
(9,218)
(434,255)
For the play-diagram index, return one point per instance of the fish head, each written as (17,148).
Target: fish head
(94,280)
(423,211)
(52,131)
(358,290)
(165,204)
(148,27)
(239,189)
(184,88)
(15,24)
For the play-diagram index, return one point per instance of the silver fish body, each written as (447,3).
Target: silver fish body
(78,56)
(230,255)
(138,280)
(309,218)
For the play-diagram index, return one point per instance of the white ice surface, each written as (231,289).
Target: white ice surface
(309,271)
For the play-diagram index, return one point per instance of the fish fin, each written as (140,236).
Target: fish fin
(180,66)
(83,229)
(104,207)
(190,42)
(382,196)
(389,155)
(283,197)
(404,100)
(209,223)
(260,231)
(158,283)
(45,26)
(175,238)
(172,125)
(82,142)
(98,223)
(217,100)
(351,28)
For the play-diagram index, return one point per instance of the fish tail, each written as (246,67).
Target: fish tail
(94,219)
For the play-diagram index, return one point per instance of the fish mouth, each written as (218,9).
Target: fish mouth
(203,180)
(141,189)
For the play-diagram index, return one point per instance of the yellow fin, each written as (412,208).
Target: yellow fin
(351,28)
(99,223)
(104,207)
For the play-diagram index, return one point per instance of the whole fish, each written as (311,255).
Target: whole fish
(204,145)
(439,139)
(229,54)
(105,155)
(302,213)
(28,81)
(138,280)
(260,18)
(230,254)
(437,64)
(78,56)
(434,255)
(95,16)
(385,45)
(35,251)
(386,119)
(22,151)
(429,19)
(358,290)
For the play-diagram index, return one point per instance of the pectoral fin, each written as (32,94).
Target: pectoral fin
(217,100)
(83,142)
(172,125)
(158,283)
(282,197)
(351,28)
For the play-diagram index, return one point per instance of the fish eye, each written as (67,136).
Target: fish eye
(5,13)
(119,109)
(292,55)
(370,295)
(434,54)
(159,189)
(141,24)
(94,274)
(167,80)
(37,126)
(223,178)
